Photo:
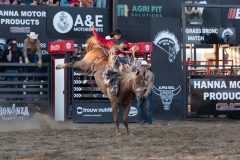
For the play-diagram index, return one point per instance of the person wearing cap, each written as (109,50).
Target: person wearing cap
(145,103)
(31,50)
(13,55)
(77,54)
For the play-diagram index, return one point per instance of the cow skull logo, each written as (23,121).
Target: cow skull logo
(166,94)
(168,43)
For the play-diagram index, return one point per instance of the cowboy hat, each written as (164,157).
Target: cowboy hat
(32,35)
(115,32)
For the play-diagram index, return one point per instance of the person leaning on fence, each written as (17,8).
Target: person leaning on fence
(145,103)
(14,55)
(31,50)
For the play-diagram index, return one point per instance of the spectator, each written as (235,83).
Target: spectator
(87,3)
(14,2)
(2,56)
(146,112)
(26,2)
(53,3)
(7,2)
(101,3)
(13,55)
(1,2)
(34,3)
(77,54)
(64,3)
(31,46)
(74,3)
(32,52)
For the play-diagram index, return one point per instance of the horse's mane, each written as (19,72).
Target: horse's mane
(92,43)
(125,79)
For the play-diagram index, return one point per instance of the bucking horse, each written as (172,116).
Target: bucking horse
(130,82)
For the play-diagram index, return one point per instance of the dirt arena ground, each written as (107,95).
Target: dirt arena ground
(43,139)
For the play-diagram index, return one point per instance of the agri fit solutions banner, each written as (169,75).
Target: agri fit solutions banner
(214,96)
(135,16)
(166,66)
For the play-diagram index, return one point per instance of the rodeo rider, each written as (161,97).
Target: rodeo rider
(115,44)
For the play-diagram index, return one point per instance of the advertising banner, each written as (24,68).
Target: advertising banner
(52,23)
(166,65)
(91,105)
(74,23)
(135,16)
(101,111)
(18,21)
(214,96)
(20,110)
(210,35)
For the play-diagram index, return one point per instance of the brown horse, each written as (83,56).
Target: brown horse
(129,82)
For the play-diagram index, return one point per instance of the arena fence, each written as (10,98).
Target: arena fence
(24,89)
(89,104)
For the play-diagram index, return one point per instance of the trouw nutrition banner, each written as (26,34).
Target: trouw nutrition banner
(215,96)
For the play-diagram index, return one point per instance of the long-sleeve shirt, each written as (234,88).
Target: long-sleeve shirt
(110,43)
(149,79)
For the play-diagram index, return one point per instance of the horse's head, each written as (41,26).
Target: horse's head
(92,43)
(138,85)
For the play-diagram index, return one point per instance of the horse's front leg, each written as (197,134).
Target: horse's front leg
(125,117)
(115,117)
(64,65)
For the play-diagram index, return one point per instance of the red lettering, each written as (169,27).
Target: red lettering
(227,107)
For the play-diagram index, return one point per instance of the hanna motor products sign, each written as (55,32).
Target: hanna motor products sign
(215,96)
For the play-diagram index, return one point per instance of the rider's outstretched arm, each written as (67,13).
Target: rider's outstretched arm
(105,42)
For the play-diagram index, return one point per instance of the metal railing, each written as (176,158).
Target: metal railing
(25,83)
(207,68)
